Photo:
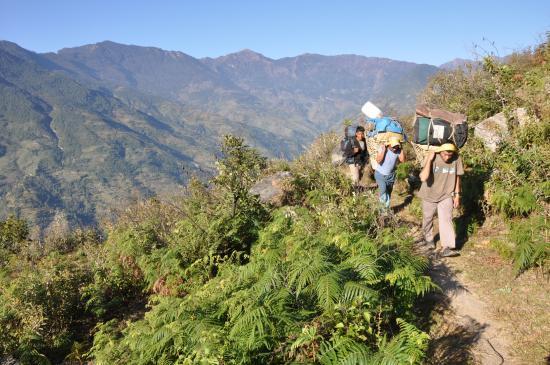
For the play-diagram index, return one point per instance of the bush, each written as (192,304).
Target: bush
(532,243)
(312,282)
(217,277)
(41,307)
(13,231)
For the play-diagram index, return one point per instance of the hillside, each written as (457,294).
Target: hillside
(90,126)
(321,275)
(74,151)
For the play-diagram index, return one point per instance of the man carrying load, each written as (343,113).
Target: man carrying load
(440,191)
(387,158)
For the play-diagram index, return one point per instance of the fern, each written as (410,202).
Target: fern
(408,347)
(532,245)
(305,272)
(343,351)
(328,290)
(523,201)
(356,290)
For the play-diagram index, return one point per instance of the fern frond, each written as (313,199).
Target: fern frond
(353,290)
(343,351)
(408,279)
(328,290)
(305,272)
(367,267)
(251,326)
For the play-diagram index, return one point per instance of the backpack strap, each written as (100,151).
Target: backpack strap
(430,127)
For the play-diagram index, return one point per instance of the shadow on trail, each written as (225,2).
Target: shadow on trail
(397,208)
(454,343)
(453,337)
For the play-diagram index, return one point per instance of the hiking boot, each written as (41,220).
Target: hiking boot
(447,252)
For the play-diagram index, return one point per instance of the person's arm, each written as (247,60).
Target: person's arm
(427,169)
(381,154)
(402,156)
(458,187)
(457,192)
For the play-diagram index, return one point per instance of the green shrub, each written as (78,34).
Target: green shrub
(504,248)
(13,231)
(217,277)
(306,278)
(313,171)
(403,170)
(40,307)
(532,243)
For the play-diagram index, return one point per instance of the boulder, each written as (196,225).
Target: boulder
(271,188)
(522,117)
(492,130)
(336,156)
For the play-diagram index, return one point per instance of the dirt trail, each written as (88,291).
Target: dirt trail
(465,330)
(489,340)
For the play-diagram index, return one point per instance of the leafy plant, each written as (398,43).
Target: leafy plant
(12,232)
(532,243)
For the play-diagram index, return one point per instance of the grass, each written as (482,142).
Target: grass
(521,303)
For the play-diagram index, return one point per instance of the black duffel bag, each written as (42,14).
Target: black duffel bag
(440,132)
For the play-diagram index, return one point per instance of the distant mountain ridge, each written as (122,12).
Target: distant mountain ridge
(251,79)
(93,125)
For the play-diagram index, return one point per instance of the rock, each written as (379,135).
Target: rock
(492,130)
(522,117)
(271,188)
(336,156)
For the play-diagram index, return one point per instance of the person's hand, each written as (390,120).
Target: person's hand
(456,201)
(431,156)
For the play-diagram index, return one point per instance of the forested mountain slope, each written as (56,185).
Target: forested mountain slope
(93,127)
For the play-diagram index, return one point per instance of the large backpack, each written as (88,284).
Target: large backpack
(346,144)
(435,127)
(385,124)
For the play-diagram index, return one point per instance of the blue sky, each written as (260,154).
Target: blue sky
(418,31)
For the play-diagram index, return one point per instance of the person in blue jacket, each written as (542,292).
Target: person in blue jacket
(388,156)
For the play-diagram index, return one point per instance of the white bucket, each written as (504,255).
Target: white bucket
(371,110)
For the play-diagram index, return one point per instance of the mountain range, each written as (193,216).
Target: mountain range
(90,128)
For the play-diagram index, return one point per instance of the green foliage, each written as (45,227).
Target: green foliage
(13,231)
(315,180)
(466,90)
(415,207)
(39,307)
(403,170)
(224,279)
(519,202)
(532,243)
(321,281)
(301,282)
(503,247)
(239,167)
